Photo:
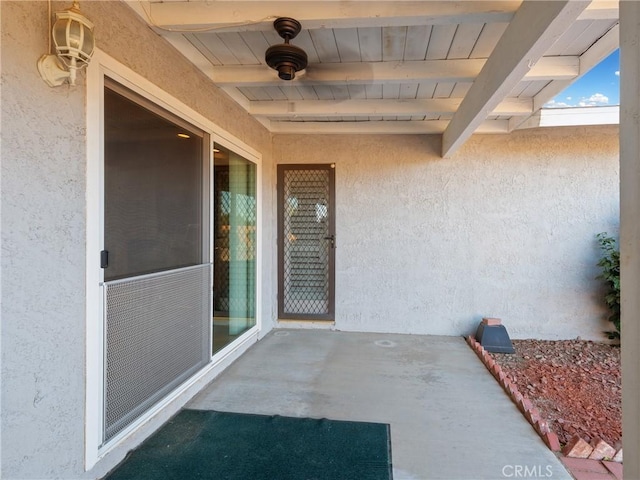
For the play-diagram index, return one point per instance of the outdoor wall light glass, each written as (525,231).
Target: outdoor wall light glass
(72,35)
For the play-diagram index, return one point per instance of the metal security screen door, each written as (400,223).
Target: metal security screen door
(306,242)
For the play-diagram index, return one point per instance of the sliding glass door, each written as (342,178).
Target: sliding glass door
(179,259)
(235,242)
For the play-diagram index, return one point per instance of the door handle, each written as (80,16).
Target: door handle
(333,240)
(104,259)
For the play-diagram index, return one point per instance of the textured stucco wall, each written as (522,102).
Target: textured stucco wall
(44,219)
(505,228)
(43,198)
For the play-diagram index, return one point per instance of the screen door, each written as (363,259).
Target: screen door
(306,242)
(157,277)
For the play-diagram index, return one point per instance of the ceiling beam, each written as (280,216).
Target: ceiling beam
(239,15)
(380,127)
(368,108)
(462,70)
(534,28)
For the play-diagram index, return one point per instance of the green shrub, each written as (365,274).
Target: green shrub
(610,266)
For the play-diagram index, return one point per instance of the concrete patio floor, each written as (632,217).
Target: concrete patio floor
(449,418)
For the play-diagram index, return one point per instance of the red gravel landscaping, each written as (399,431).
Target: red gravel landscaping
(575,384)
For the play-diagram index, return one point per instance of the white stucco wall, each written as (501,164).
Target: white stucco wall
(505,228)
(44,219)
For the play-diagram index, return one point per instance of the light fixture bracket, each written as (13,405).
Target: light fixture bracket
(53,72)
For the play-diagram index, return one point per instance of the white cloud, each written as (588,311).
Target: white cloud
(554,104)
(617,73)
(594,100)
(599,98)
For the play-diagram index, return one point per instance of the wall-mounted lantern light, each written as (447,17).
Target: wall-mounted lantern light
(73,37)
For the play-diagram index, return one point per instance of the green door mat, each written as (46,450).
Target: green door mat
(198,444)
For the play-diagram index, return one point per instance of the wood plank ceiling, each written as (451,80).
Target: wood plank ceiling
(435,67)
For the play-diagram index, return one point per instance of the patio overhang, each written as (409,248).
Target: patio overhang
(441,67)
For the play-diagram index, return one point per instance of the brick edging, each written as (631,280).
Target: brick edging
(533,415)
(525,405)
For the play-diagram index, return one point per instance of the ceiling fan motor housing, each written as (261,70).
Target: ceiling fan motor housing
(287,59)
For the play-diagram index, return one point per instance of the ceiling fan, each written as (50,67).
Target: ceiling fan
(287,59)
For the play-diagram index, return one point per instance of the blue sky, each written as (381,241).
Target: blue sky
(598,87)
